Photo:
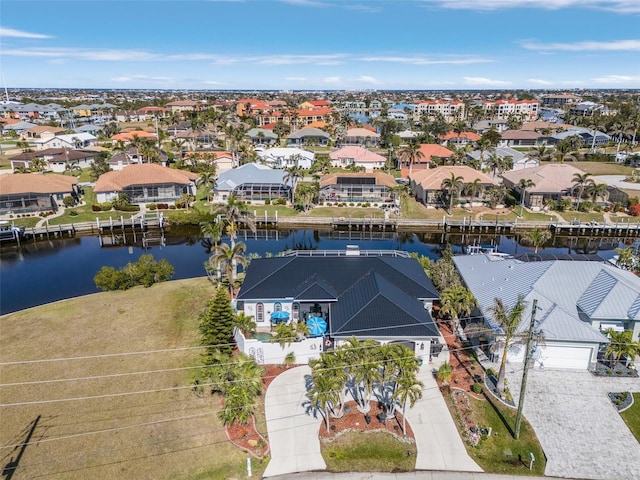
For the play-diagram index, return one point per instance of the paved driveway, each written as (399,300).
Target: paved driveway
(293,435)
(579,429)
(437,439)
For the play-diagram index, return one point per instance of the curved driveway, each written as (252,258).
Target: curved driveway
(293,434)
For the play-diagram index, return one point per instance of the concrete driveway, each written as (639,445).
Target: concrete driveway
(438,442)
(293,435)
(579,429)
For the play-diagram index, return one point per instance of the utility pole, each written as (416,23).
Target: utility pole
(527,359)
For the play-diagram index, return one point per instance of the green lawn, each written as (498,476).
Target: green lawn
(582,216)
(368,452)
(601,168)
(490,452)
(26,222)
(631,416)
(164,431)
(346,212)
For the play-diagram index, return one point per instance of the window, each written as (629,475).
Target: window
(259,312)
(277,307)
(295,310)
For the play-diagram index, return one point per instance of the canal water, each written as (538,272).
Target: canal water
(49,270)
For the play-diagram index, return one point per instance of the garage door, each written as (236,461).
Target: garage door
(566,357)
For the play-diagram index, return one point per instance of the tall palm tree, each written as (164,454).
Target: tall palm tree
(293,175)
(410,154)
(598,190)
(364,368)
(508,319)
(473,189)
(324,394)
(408,390)
(626,258)
(580,182)
(228,258)
(565,150)
(523,185)
(453,186)
(232,214)
(457,301)
(540,152)
(621,344)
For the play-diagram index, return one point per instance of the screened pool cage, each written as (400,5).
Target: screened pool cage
(262,191)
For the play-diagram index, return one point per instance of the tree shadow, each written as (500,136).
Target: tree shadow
(499,413)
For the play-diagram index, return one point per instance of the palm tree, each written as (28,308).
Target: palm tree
(564,149)
(508,320)
(598,190)
(496,195)
(292,175)
(540,153)
(364,368)
(580,181)
(228,258)
(408,389)
(245,323)
(523,185)
(324,394)
(626,258)
(453,186)
(232,214)
(410,154)
(537,237)
(621,344)
(457,301)
(473,189)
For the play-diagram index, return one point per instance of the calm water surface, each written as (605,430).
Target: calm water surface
(46,271)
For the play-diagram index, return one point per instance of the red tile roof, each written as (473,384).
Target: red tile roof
(36,183)
(430,150)
(144,174)
(470,136)
(128,136)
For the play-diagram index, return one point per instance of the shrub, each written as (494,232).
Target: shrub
(267,201)
(146,271)
(163,206)
(634,209)
(492,372)
(106,206)
(279,201)
(172,207)
(73,213)
(477,388)
(68,201)
(152,206)
(96,208)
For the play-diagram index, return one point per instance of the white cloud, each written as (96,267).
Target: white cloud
(485,82)
(539,81)
(296,79)
(425,60)
(616,45)
(11,32)
(618,79)
(129,78)
(367,79)
(332,80)
(618,6)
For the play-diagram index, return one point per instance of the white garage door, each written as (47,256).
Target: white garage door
(566,357)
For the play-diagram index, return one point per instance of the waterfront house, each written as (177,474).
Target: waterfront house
(252,182)
(427,184)
(374,187)
(71,140)
(527,138)
(384,296)
(432,153)
(262,136)
(577,301)
(462,138)
(35,192)
(553,181)
(361,136)
(56,159)
(517,159)
(358,156)
(285,157)
(145,183)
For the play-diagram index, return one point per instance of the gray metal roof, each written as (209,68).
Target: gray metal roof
(249,173)
(309,132)
(563,290)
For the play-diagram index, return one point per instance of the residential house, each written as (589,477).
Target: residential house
(558,100)
(56,159)
(262,136)
(360,157)
(71,140)
(427,184)
(518,159)
(132,156)
(35,192)
(553,181)
(588,109)
(432,153)
(375,187)
(309,136)
(131,136)
(462,138)
(528,138)
(41,131)
(385,297)
(576,302)
(483,126)
(588,136)
(361,136)
(285,157)
(18,128)
(180,106)
(304,116)
(145,183)
(252,182)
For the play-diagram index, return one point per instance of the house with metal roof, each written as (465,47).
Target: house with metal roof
(262,136)
(383,296)
(577,301)
(252,182)
(309,135)
(355,155)
(284,157)
(518,159)
(588,136)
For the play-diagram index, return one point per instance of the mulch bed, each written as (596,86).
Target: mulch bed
(354,421)
(465,373)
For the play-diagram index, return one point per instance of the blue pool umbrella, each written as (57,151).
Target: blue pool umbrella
(317,326)
(280,316)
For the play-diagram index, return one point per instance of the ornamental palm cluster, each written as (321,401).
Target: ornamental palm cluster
(364,370)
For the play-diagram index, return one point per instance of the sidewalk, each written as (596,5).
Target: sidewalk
(44,221)
(422,475)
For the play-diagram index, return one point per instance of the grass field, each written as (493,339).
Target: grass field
(600,168)
(631,416)
(144,420)
(368,452)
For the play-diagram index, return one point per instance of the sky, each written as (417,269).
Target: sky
(320,44)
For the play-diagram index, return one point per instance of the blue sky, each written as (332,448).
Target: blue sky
(321,44)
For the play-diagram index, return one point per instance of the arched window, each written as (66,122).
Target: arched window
(277,307)
(295,310)
(259,312)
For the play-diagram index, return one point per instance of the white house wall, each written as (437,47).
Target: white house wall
(250,309)
(272,353)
